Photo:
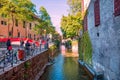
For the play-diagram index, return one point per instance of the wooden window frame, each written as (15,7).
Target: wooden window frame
(3,22)
(24,24)
(116,7)
(16,22)
(97,13)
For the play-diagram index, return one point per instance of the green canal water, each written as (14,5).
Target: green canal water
(64,68)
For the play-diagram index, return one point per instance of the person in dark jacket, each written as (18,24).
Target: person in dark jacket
(9,48)
(8,44)
(27,48)
(21,43)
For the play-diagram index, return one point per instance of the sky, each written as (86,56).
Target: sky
(55,8)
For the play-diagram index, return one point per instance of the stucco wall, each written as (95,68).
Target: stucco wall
(106,46)
(23,31)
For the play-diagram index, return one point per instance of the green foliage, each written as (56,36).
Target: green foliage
(71,25)
(17,9)
(53,47)
(45,16)
(27,65)
(75,6)
(26,75)
(85,48)
(57,43)
(45,23)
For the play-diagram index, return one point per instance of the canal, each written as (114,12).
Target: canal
(64,68)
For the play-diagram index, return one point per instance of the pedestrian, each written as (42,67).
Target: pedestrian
(33,45)
(40,44)
(21,44)
(21,53)
(43,43)
(47,43)
(9,46)
(27,48)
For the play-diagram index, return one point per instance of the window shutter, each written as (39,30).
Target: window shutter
(85,23)
(116,7)
(97,13)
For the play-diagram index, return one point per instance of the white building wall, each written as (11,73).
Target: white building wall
(86,4)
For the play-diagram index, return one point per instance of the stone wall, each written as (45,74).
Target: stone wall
(106,46)
(28,70)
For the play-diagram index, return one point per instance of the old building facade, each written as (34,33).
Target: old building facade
(21,29)
(103,24)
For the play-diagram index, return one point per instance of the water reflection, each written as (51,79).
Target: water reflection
(64,69)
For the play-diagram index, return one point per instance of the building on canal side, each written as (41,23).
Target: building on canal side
(21,29)
(102,21)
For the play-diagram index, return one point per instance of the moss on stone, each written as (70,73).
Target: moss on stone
(85,48)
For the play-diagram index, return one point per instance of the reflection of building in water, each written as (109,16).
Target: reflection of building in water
(63,49)
(75,49)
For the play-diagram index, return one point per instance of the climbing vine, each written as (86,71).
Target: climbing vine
(85,48)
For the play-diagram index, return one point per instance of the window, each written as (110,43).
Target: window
(116,7)
(10,33)
(85,23)
(34,37)
(29,35)
(3,23)
(97,13)
(30,25)
(16,23)
(23,24)
(18,34)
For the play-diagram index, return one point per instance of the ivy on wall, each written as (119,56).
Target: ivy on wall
(85,48)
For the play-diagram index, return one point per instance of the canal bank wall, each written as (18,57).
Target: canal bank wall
(30,69)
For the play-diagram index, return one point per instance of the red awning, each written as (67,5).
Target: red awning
(37,43)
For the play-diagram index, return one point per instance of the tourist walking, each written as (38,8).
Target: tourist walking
(27,48)
(40,44)
(21,44)
(9,48)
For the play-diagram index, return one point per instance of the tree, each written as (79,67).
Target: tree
(17,9)
(45,23)
(71,25)
(75,6)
